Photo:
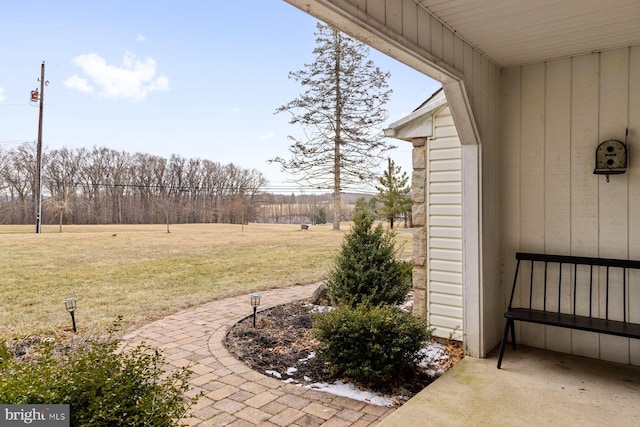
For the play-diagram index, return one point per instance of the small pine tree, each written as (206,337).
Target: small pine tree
(366,270)
(363,203)
(393,193)
(321,218)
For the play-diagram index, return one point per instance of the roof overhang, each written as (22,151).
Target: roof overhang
(418,124)
(513,32)
(518,32)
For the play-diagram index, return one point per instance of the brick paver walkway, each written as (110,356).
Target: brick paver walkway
(234,394)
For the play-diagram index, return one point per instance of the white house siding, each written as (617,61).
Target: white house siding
(444,228)
(554,115)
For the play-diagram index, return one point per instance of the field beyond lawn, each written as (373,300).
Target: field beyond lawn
(141,272)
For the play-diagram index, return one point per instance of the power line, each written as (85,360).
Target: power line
(213,189)
(17,141)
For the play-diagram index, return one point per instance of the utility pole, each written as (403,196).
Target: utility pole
(38,187)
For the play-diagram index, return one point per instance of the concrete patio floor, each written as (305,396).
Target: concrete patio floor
(533,388)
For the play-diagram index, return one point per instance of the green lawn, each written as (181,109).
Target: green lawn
(141,272)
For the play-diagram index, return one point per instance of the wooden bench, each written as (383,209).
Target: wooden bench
(588,294)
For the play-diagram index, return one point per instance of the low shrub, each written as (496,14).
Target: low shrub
(370,344)
(102,386)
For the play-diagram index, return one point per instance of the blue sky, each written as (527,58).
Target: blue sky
(198,78)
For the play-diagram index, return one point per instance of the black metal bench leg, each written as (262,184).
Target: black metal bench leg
(507,324)
(513,333)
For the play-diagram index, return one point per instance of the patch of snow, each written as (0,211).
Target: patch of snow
(432,356)
(407,306)
(273,373)
(431,353)
(311,355)
(321,308)
(351,391)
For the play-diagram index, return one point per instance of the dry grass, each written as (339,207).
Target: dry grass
(142,272)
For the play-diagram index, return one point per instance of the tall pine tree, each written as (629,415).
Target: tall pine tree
(340,111)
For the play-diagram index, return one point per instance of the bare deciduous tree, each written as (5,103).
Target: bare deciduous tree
(100,185)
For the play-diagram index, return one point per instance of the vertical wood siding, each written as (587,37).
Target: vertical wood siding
(554,115)
(444,229)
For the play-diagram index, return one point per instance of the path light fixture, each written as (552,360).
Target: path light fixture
(255,302)
(71,304)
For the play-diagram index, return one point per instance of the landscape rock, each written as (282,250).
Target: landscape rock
(321,296)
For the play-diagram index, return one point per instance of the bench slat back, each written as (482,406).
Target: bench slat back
(565,284)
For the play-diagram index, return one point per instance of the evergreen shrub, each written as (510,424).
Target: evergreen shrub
(371,344)
(103,387)
(321,218)
(367,270)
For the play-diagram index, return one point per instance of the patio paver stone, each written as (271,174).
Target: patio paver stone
(234,394)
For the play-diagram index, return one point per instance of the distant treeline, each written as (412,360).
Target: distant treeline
(102,186)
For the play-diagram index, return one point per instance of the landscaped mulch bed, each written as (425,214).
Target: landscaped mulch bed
(281,345)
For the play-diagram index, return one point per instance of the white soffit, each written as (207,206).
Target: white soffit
(517,32)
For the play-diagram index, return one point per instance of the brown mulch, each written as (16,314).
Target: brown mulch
(281,339)
(281,345)
(62,343)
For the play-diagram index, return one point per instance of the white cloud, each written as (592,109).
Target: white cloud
(78,83)
(133,80)
(140,38)
(2,96)
(268,135)
(235,110)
